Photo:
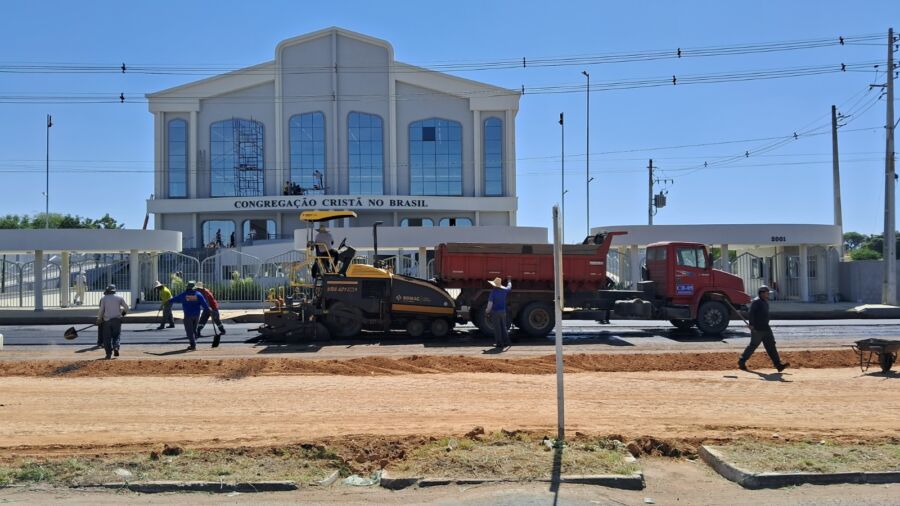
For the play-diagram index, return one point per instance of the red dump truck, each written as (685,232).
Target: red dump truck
(679,284)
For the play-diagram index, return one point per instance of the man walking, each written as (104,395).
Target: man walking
(112,308)
(496,311)
(191,303)
(760,332)
(164,295)
(80,283)
(212,311)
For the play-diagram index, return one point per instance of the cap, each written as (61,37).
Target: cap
(762,289)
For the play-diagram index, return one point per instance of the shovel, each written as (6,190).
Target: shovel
(72,333)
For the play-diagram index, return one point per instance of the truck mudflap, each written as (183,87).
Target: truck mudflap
(675,313)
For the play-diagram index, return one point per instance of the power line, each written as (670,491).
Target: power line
(458,65)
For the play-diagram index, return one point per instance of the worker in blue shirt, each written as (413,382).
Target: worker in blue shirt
(496,311)
(193,303)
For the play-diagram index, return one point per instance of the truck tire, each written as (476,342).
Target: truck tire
(713,317)
(343,320)
(415,328)
(683,324)
(440,327)
(484,324)
(537,319)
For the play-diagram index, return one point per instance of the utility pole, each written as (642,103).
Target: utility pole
(562,215)
(47,187)
(587,153)
(650,193)
(836,171)
(889,293)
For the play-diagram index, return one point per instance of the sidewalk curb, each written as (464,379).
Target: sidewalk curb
(748,480)
(156,487)
(626,482)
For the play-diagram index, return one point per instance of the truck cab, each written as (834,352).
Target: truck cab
(682,275)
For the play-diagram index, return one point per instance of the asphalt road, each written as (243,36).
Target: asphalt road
(642,334)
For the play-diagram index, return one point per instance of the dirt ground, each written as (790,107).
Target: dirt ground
(536,363)
(73,412)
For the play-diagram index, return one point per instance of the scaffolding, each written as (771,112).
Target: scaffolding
(248,143)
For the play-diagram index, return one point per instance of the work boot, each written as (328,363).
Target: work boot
(221,329)
(742,366)
(116,352)
(108,356)
(192,348)
(171,325)
(160,327)
(782,366)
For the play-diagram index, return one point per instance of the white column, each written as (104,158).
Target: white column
(509,153)
(635,254)
(477,218)
(38,280)
(726,264)
(335,162)
(198,234)
(281,174)
(134,275)
(64,276)
(478,167)
(423,263)
(158,166)
(804,274)
(192,143)
(392,136)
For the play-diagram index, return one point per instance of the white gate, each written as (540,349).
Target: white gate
(618,270)
(171,269)
(283,274)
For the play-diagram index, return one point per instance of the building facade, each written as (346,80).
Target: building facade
(333,122)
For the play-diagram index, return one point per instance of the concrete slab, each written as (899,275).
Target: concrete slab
(752,481)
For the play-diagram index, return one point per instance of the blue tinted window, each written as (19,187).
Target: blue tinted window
(307,139)
(366,155)
(177,163)
(435,157)
(236,158)
(493,157)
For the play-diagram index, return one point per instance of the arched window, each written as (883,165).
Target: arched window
(258,230)
(366,154)
(435,157)
(307,134)
(416,222)
(236,158)
(493,157)
(218,234)
(177,158)
(455,222)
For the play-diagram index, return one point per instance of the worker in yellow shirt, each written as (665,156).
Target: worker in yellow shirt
(164,295)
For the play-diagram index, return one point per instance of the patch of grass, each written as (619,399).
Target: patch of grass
(512,456)
(815,457)
(304,464)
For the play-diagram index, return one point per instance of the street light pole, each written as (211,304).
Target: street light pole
(587,153)
(47,187)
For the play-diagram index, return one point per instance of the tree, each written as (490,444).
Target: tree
(853,240)
(14,221)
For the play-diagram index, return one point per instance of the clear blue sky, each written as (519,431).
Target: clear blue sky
(791,184)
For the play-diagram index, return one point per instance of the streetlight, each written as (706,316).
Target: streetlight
(562,128)
(47,188)
(587,153)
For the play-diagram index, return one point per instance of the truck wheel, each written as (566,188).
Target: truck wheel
(440,327)
(415,328)
(886,361)
(683,324)
(343,320)
(484,324)
(537,319)
(713,317)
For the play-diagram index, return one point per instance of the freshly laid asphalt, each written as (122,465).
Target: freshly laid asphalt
(643,334)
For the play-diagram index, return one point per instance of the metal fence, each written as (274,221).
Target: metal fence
(88,276)
(230,275)
(171,269)
(618,269)
(283,274)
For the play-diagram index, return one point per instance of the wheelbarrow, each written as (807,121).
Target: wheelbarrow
(882,351)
